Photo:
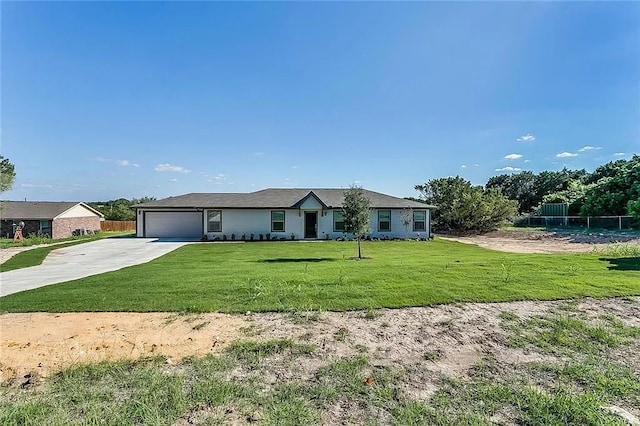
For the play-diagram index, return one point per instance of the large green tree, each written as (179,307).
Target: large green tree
(7,174)
(461,206)
(574,196)
(356,211)
(633,208)
(530,189)
(520,187)
(615,185)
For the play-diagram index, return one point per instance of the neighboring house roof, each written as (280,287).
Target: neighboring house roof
(24,210)
(277,198)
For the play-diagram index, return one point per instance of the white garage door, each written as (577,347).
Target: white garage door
(186,225)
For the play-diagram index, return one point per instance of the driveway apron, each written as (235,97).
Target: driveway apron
(85,259)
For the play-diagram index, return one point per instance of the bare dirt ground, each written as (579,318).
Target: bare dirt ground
(44,343)
(524,241)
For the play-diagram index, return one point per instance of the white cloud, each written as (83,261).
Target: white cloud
(257,154)
(173,180)
(526,138)
(126,163)
(295,167)
(476,165)
(218,179)
(589,148)
(619,154)
(34,185)
(526,161)
(171,168)
(123,163)
(513,156)
(566,155)
(509,169)
(464,166)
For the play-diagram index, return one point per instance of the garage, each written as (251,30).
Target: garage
(183,225)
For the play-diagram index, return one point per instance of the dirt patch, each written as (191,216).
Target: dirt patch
(545,242)
(45,343)
(460,334)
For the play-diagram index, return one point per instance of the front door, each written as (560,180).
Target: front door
(311,224)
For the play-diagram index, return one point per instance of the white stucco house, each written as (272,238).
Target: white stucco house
(281,213)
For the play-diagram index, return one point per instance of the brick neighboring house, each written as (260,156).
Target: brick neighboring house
(56,219)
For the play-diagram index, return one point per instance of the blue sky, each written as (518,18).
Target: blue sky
(131,99)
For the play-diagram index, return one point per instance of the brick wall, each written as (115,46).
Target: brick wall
(64,227)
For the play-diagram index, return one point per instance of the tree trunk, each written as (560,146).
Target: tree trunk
(359,251)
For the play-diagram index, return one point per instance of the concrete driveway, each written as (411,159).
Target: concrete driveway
(86,259)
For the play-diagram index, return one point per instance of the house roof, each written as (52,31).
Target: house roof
(277,198)
(24,210)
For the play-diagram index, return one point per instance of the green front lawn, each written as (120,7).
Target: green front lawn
(276,276)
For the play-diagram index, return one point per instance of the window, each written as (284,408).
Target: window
(338,221)
(384,220)
(277,221)
(214,221)
(419,220)
(45,228)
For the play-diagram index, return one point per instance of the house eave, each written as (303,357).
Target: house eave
(86,206)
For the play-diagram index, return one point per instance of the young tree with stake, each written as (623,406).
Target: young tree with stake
(406,218)
(356,211)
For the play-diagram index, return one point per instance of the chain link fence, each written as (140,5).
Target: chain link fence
(600,222)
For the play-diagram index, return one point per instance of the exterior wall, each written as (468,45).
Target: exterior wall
(139,223)
(64,227)
(77,211)
(293,223)
(397,228)
(255,221)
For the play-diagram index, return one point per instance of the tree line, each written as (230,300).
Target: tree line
(119,209)
(612,189)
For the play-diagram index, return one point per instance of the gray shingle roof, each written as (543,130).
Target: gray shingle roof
(24,210)
(276,198)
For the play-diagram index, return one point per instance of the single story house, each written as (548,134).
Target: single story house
(281,213)
(55,219)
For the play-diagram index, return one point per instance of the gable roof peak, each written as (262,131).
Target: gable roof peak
(310,194)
